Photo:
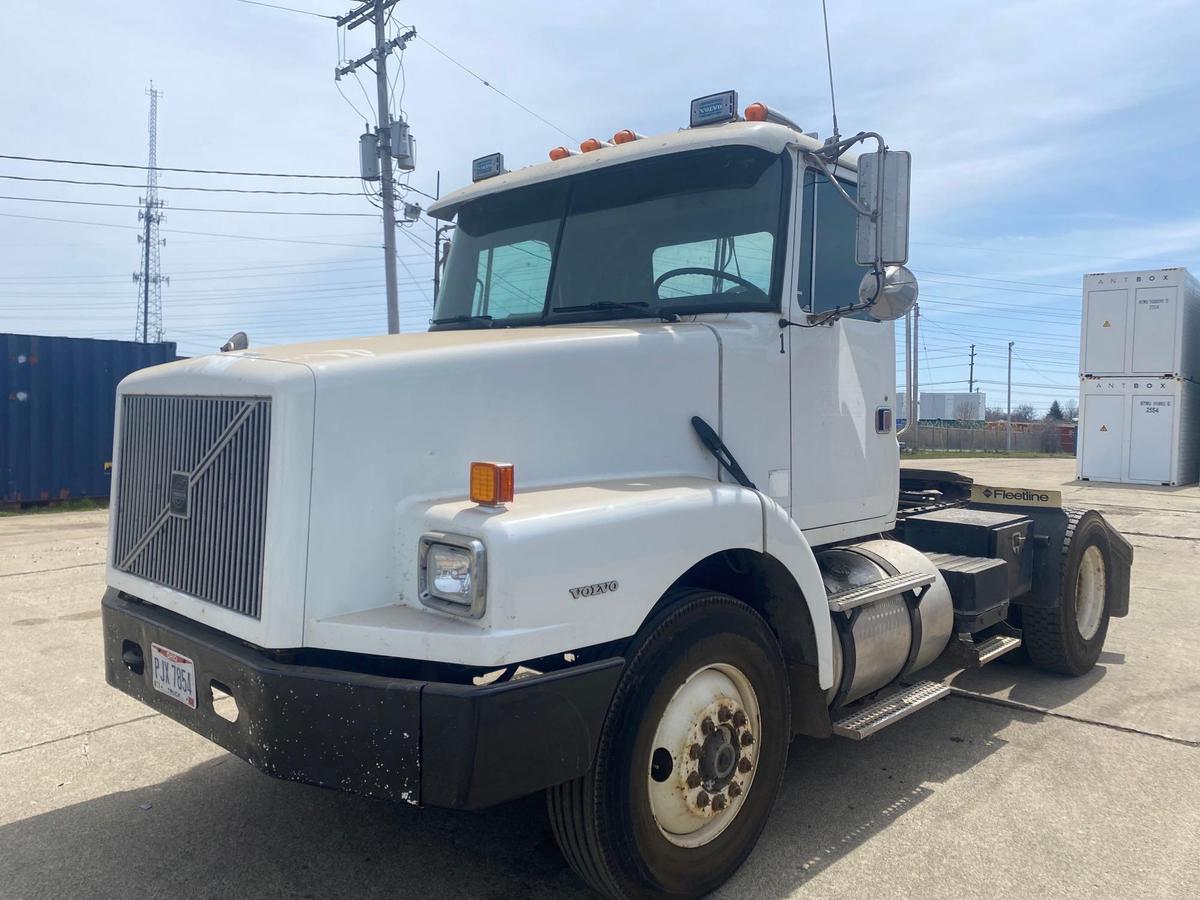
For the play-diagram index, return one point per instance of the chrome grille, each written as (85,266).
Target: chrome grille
(192,495)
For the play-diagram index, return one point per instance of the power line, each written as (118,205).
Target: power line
(106,165)
(1038,252)
(303,12)
(199,209)
(488,84)
(217,234)
(163,187)
(1000,280)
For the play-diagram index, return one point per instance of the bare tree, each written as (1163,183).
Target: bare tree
(964,411)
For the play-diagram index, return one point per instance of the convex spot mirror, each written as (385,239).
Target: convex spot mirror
(891,299)
(883,185)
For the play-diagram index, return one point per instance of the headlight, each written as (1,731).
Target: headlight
(452,574)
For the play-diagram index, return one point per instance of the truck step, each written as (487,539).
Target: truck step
(985,651)
(890,710)
(844,601)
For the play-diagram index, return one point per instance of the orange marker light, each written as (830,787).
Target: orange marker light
(593,144)
(756,112)
(626,135)
(559,153)
(491,483)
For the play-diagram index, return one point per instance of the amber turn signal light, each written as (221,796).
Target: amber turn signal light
(491,483)
(756,112)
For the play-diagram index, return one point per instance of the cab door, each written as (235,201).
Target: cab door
(845,459)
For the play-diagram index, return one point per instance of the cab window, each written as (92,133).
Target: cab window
(746,255)
(511,280)
(829,276)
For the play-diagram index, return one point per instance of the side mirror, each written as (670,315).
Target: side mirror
(889,297)
(883,188)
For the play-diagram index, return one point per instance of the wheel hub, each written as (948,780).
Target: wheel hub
(1090,591)
(718,758)
(709,729)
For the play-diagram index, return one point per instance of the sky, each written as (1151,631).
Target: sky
(1049,140)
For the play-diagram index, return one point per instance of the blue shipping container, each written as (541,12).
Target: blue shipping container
(57,396)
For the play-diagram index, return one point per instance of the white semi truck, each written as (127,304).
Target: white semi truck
(628,518)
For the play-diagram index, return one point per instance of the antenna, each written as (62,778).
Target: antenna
(149,328)
(829,61)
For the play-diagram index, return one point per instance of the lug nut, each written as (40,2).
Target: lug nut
(739,719)
(747,739)
(723,714)
(702,800)
(693,779)
(718,802)
(694,751)
(744,765)
(707,726)
(735,789)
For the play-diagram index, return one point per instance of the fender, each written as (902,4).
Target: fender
(567,567)
(786,542)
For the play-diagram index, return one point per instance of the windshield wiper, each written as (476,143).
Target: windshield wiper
(639,308)
(457,320)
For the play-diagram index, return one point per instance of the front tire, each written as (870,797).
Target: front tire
(1069,638)
(690,759)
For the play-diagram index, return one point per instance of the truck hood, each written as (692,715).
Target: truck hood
(367,434)
(398,421)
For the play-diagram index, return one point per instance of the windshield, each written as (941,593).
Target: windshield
(693,232)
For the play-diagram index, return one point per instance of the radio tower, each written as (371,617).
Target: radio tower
(150,281)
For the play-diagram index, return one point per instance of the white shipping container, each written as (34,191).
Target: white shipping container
(951,405)
(1141,323)
(1139,430)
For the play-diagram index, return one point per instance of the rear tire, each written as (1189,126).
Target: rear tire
(1069,638)
(701,711)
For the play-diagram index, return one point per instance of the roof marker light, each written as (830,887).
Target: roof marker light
(487,167)
(625,135)
(593,144)
(562,153)
(757,112)
(714,108)
(760,112)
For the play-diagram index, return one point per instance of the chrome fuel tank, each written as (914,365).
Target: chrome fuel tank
(878,637)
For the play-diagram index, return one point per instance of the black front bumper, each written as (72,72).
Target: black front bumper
(428,742)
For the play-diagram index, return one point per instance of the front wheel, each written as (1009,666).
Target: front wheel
(690,758)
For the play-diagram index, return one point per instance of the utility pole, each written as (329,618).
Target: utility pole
(915,412)
(150,280)
(1008,437)
(971,377)
(375,11)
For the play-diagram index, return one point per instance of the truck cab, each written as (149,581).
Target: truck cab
(627,518)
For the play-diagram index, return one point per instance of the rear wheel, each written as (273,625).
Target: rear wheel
(1069,638)
(690,759)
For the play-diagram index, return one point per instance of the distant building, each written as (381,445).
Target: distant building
(945,406)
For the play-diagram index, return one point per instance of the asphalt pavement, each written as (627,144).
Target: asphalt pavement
(1021,784)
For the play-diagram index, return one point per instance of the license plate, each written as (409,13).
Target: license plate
(173,674)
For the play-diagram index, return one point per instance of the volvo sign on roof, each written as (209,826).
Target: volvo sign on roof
(714,108)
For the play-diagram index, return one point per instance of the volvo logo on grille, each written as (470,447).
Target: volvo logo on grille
(181,495)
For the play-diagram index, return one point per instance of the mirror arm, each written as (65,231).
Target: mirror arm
(819,162)
(835,150)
